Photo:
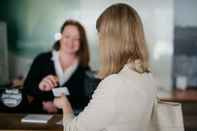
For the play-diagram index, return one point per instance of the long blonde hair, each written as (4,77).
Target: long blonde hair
(121,40)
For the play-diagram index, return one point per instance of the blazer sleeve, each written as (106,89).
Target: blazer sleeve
(33,78)
(102,104)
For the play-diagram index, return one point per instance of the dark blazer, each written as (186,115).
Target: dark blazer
(42,66)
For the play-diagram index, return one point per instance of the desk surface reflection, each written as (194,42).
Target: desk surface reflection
(12,121)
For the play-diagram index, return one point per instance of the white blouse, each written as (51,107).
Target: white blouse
(63,75)
(121,102)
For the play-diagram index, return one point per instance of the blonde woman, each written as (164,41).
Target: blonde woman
(124,99)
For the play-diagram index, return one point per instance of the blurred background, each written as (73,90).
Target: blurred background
(27,27)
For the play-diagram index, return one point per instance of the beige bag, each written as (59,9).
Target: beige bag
(167,116)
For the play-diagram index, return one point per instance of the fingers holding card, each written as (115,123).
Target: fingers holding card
(59,91)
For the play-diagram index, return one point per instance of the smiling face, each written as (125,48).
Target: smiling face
(70,40)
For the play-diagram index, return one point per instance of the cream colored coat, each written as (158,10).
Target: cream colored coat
(121,102)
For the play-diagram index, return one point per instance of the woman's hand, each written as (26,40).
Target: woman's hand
(63,103)
(48,83)
(49,107)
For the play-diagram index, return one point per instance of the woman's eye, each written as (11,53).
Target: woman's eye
(76,39)
(72,38)
(66,37)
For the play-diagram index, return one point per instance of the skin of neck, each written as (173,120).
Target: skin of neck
(67,59)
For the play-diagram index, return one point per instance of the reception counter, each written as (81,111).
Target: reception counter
(12,121)
(188,98)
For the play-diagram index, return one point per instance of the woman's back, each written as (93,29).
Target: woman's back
(122,102)
(134,100)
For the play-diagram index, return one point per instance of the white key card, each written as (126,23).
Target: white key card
(58,91)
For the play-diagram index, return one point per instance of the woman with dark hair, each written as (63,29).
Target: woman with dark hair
(64,66)
(123,100)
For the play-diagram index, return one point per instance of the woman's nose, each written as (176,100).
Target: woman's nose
(69,40)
